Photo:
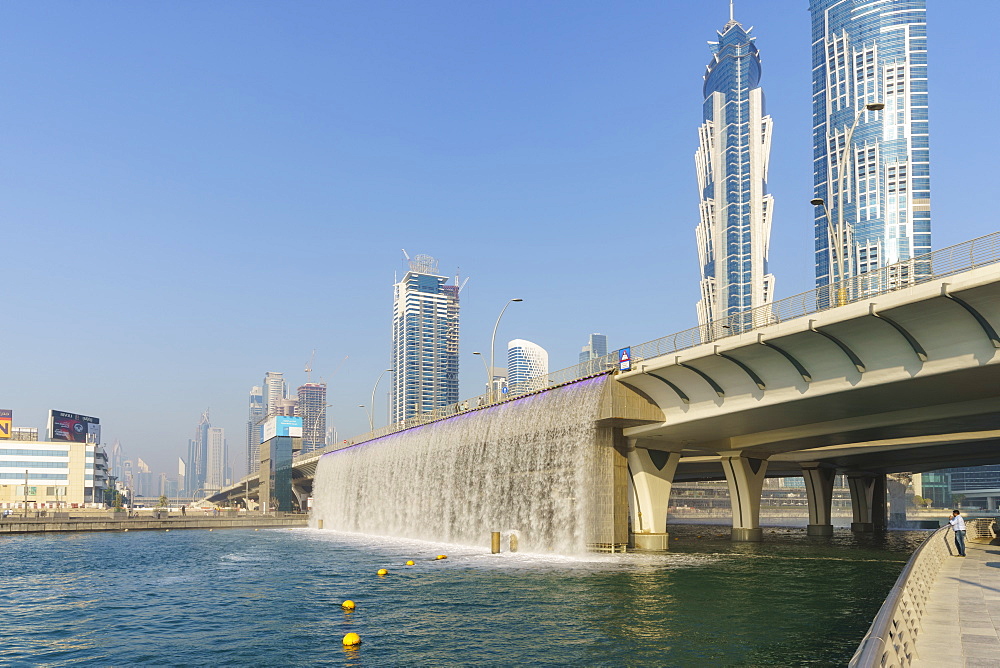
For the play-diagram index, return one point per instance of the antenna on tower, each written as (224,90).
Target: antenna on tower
(731,10)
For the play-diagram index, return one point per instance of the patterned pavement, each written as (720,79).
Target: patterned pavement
(961,625)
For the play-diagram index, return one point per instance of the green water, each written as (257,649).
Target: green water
(272,598)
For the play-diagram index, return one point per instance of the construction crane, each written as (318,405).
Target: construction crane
(309,365)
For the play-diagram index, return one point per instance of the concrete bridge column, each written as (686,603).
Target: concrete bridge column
(819,491)
(745,476)
(867,501)
(897,484)
(652,473)
(880,508)
(301,496)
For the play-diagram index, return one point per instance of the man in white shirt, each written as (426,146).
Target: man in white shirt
(958,524)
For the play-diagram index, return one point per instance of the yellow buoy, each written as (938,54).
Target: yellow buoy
(347,605)
(409,563)
(352,639)
(382,571)
(126,530)
(166,529)
(211,529)
(442,556)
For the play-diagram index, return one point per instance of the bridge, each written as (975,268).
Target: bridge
(895,370)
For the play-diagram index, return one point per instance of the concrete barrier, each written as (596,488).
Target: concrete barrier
(12,525)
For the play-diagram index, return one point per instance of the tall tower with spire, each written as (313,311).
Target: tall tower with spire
(731,162)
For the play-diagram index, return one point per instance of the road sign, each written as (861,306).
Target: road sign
(625,359)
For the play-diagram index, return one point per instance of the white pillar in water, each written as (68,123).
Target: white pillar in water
(745,476)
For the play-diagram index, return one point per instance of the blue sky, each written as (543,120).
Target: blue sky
(195,193)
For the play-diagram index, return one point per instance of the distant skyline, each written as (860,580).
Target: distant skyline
(197,193)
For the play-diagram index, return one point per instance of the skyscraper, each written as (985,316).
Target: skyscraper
(424,341)
(257,411)
(525,361)
(216,457)
(596,347)
(731,163)
(865,56)
(275,392)
(198,456)
(312,410)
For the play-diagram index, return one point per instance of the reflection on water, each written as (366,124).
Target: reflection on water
(272,598)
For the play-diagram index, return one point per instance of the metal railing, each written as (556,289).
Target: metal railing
(892,637)
(922,269)
(978,252)
(982,529)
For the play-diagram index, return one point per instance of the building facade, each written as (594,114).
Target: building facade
(312,410)
(865,54)
(256,414)
(197,460)
(424,357)
(731,162)
(275,392)
(525,361)
(216,458)
(596,348)
(52,474)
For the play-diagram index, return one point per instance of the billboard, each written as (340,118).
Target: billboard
(73,427)
(6,418)
(280,425)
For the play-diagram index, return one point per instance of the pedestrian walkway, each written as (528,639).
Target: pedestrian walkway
(961,624)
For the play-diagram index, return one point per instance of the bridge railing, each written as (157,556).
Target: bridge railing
(932,266)
(938,264)
(891,639)
(982,529)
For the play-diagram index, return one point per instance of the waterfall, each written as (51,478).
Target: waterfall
(536,465)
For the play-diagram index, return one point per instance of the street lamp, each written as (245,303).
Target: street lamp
(371,415)
(315,423)
(366,413)
(493,343)
(489,376)
(843,233)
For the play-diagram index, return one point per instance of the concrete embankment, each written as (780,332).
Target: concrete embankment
(12,525)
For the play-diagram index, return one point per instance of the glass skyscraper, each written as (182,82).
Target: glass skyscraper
(257,411)
(870,52)
(424,341)
(312,410)
(597,347)
(525,360)
(731,163)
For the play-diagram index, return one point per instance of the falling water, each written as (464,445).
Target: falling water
(535,466)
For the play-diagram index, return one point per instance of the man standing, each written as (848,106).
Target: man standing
(958,524)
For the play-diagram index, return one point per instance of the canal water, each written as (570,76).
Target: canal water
(272,598)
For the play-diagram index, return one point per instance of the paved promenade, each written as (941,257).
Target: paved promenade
(961,625)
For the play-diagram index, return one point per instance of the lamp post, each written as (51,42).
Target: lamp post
(489,374)
(315,423)
(493,340)
(371,415)
(367,412)
(842,232)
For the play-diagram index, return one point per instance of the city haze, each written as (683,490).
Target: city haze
(195,194)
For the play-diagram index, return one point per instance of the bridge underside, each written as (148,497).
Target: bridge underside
(907,382)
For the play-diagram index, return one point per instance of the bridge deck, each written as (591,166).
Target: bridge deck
(961,625)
